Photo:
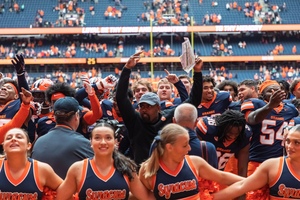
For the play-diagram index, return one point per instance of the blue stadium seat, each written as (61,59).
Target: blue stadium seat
(135,8)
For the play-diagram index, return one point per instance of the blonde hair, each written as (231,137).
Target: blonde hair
(164,81)
(168,135)
(145,83)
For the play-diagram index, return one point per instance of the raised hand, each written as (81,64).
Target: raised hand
(107,83)
(198,64)
(87,86)
(133,60)
(19,64)
(276,98)
(85,79)
(172,78)
(26,96)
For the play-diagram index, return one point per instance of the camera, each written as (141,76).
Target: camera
(120,129)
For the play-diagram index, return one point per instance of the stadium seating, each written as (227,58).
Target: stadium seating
(135,8)
(241,74)
(254,47)
(27,17)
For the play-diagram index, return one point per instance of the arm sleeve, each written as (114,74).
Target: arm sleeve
(22,82)
(181,90)
(212,155)
(196,92)
(81,96)
(96,112)
(16,122)
(126,109)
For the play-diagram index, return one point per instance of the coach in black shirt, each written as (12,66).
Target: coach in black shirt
(143,125)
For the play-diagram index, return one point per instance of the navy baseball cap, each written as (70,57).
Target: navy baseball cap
(66,105)
(149,98)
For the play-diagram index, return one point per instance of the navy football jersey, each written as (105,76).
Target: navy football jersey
(208,131)
(268,135)
(44,124)
(217,106)
(294,121)
(8,111)
(235,105)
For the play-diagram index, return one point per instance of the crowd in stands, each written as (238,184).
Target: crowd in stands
(166,12)
(286,72)
(221,47)
(160,49)
(161,12)
(69,13)
(213,19)
(65,46)
(262,13)
(112,12)
(14,7)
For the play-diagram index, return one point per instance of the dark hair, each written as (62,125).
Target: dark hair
(121,163)
(249,83)
(208,78)
(15,83)
(293,85)
(296,103)
(62,117)
(129,93)
(64,88)
(286,87)
(185,76)
(233,84)
(229,119)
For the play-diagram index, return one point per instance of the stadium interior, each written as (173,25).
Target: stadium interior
(243,52)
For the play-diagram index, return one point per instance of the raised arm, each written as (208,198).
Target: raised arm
(20,117)
(196,92)
(19,64)
(260,114)
(124,103)
(96,111)
(172,78)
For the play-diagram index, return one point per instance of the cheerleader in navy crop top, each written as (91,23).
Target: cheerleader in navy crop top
(25,187)
(287,182)
(109,175)
(281,175)
(172,174)
(22,177)
(114,185)
(178,184)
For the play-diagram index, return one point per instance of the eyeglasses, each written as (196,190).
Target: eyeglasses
(145,106)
